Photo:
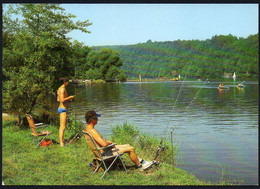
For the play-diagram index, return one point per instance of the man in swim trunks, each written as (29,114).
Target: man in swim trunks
(63,107)
(91,119)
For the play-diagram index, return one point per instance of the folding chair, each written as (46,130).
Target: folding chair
(36,134)
(103,159)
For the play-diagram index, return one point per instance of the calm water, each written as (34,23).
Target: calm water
(217,135)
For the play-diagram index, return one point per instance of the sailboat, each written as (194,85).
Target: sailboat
(234,75)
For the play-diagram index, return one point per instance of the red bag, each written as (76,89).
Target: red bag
(45,143)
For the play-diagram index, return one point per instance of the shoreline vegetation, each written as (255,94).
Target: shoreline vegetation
(81,81)
(23,164)
(218,57)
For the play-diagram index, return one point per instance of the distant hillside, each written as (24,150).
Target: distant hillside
(213,58)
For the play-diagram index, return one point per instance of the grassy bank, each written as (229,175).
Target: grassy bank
(22,164)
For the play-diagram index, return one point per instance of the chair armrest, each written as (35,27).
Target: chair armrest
(110,145)
(46,125)
(36,124)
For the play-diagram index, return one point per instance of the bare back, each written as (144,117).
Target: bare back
(96,136)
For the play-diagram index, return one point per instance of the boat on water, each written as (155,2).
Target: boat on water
(240,85)
(221,86)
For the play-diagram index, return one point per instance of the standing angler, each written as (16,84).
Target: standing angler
(63,107)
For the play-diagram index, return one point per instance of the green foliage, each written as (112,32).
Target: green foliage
(36,53)
(121,76)
(79,59)
(125,134)
(74,126)
(103,65)
(93,74)
(206,59)
(145,145)
(40,19)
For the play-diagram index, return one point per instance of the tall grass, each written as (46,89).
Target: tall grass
(145,145)
(23,164)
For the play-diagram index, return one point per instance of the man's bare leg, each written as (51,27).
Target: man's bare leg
(130,150)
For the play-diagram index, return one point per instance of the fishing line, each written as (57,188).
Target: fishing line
(77,134)
(82,92)
(194,98)
(175,103)
(87,88)
(161,147)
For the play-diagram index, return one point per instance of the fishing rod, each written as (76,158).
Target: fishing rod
(77,135)
(194,98)
(159,150)
(87,88)
(174,105)
(161,147)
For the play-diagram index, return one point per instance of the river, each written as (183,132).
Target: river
(217,134)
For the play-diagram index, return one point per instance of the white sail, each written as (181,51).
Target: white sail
(234,75)
(179,76)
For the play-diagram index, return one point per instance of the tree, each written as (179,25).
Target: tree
(35,54)
(79,59)
(103,64)
(210,58)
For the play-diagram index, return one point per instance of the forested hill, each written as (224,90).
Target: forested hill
(212,58)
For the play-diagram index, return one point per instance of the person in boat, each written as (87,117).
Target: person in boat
(92,119)
(63,99)
(240,85)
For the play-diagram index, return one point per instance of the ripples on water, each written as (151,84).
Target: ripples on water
(218,133)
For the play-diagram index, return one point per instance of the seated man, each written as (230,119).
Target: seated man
(91,119)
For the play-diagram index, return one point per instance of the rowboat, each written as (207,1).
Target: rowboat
(240,85)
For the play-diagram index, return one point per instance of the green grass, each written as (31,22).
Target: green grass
(23,164)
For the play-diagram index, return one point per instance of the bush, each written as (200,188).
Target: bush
(125,134)
(73,126)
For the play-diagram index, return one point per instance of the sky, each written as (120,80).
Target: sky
(124,24)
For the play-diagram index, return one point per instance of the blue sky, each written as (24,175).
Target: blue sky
(123,24)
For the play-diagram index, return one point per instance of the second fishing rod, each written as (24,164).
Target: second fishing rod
(77,134)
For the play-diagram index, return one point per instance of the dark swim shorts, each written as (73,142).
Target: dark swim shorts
(60,110)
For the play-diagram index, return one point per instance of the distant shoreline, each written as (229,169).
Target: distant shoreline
(165,79)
